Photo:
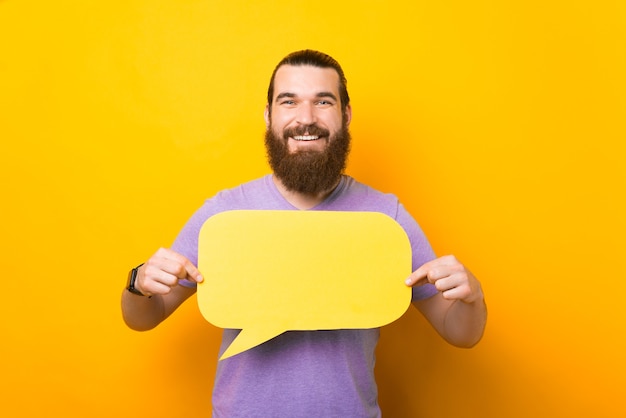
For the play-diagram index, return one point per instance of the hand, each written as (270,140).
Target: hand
(162,272)
(450,277)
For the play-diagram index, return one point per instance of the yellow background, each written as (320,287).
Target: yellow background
(499,124)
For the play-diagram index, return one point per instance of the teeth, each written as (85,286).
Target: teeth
(306,137)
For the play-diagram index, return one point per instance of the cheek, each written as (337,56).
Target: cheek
(278,122)
(276,129)
(334,121)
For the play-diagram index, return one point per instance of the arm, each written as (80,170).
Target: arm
(158,278)
(458,312)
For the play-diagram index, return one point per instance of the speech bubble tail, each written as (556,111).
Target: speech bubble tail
(248,339)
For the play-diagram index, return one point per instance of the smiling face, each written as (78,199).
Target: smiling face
(306,96)
(307,134)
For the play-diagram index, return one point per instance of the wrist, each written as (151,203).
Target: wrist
(131,284)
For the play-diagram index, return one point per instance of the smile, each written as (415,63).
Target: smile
(306,137)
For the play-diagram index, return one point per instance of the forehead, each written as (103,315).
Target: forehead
(303,80)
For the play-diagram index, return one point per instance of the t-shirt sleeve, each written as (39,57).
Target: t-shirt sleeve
(421,248)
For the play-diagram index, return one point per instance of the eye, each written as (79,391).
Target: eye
(324,103)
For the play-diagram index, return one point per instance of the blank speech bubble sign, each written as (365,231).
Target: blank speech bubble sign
(267,272)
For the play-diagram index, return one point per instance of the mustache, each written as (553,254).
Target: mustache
(306,130)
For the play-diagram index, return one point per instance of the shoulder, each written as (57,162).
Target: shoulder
(244,194)
(356,196)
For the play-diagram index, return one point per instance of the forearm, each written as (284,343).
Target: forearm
(142,313)
(464,323)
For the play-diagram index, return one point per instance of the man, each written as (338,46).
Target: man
(306,373)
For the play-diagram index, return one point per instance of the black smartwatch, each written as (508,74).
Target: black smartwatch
(130,285)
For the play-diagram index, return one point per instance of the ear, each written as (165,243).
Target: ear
(348,114)
(266,115)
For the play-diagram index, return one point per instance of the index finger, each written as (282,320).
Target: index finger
(192,273)
(437,268)
(188,271)
(419,276)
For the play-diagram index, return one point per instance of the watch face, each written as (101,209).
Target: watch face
(130,285)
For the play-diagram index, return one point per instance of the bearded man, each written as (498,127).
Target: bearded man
(306,373)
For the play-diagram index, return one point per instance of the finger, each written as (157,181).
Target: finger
(419,276)
(416,278)
(154,281)
(156,288)
(448,267)
(430,271)
(163,272)
(193,274)
(455,286)
(456,293)
(187,270)
(178,265)
(445,284)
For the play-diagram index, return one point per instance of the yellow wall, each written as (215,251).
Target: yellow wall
(500,125)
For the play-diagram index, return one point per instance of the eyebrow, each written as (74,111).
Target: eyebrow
(318,95)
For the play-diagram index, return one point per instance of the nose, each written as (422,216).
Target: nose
(306,114)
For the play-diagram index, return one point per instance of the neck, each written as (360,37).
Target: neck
(300,200)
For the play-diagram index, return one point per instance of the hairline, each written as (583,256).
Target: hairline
(313,59)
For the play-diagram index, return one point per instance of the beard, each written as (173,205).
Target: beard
(308,172)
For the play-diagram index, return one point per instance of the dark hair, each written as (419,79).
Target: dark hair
(315,59)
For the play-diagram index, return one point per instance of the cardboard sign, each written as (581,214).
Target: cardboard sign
(267,272)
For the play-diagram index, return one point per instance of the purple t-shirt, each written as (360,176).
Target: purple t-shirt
(302,373)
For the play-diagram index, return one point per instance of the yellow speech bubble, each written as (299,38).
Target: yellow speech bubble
(267,272)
